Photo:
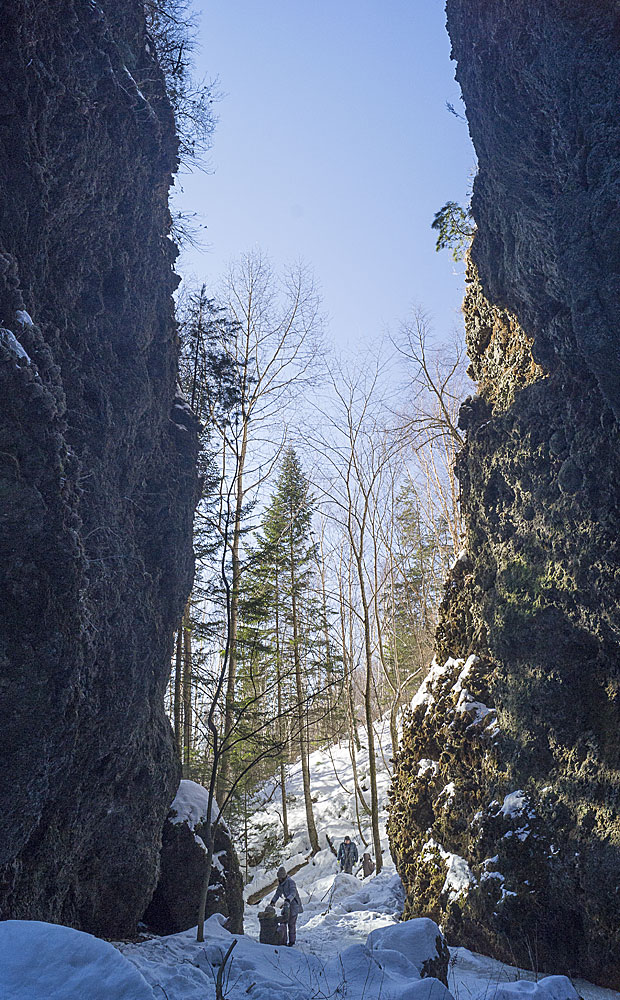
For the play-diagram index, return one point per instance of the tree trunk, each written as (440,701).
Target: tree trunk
(353,732)
(229,710)
(394,709)
(286,834)
(187,693)
(305,769)
(245,830)
(372,764)
(356,788)
(178,676)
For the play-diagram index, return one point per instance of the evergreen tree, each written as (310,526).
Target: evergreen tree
(280,582)
(209,381)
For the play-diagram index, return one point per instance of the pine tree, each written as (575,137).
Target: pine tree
(282,570)
(209,381)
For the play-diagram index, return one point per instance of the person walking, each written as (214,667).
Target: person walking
(288,889)
(367,866)
(347,855)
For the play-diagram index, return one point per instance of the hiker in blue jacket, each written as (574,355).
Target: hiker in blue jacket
(288,889)
(347,855)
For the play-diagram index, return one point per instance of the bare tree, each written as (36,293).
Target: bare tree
(436,386)
(276,326)
(357,449)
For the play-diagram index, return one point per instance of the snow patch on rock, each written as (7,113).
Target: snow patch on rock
(191,805)
(12,343)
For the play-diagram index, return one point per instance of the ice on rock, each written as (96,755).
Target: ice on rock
(427,768)
(459,559)
(476,709)
(459,876)
(424,695)
(515,804)
(23,318)
(447,795)
(10,340)
(470,663)
(181,403)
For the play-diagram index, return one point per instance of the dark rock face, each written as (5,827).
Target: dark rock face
(174,906)
(506,800)
(505,813)
(541,83)
(97,478)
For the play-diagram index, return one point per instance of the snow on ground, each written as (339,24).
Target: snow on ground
(351,944)
(476,977)
(333,805)
(40,961)
(179,968)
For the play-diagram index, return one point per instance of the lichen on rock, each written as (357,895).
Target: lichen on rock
(511,839)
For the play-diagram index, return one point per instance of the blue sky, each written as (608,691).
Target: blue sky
(334,145)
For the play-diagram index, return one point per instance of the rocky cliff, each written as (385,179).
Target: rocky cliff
(506,801)
(97,463)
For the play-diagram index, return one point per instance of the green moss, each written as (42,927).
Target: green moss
(528,585)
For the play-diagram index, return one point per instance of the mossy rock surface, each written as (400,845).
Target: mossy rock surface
(505,804)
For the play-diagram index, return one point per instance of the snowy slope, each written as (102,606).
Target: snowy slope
(340,911)
(41,961)
(334,955)
(351,943)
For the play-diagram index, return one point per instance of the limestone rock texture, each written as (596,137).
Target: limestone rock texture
(505,806)
(97,464)
(174,906)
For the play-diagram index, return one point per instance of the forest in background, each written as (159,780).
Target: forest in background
(328,513)
(327,520)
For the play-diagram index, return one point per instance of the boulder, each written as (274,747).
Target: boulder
(174,906)
(420,941)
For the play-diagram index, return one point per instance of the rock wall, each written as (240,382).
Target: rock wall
(97,460)
(506,801)
(174,906)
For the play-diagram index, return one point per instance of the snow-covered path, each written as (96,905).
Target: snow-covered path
(351,943)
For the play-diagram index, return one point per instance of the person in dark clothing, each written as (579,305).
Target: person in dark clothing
(288,889)
(367,866)
(283,922)
(347,855)
(273,928)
